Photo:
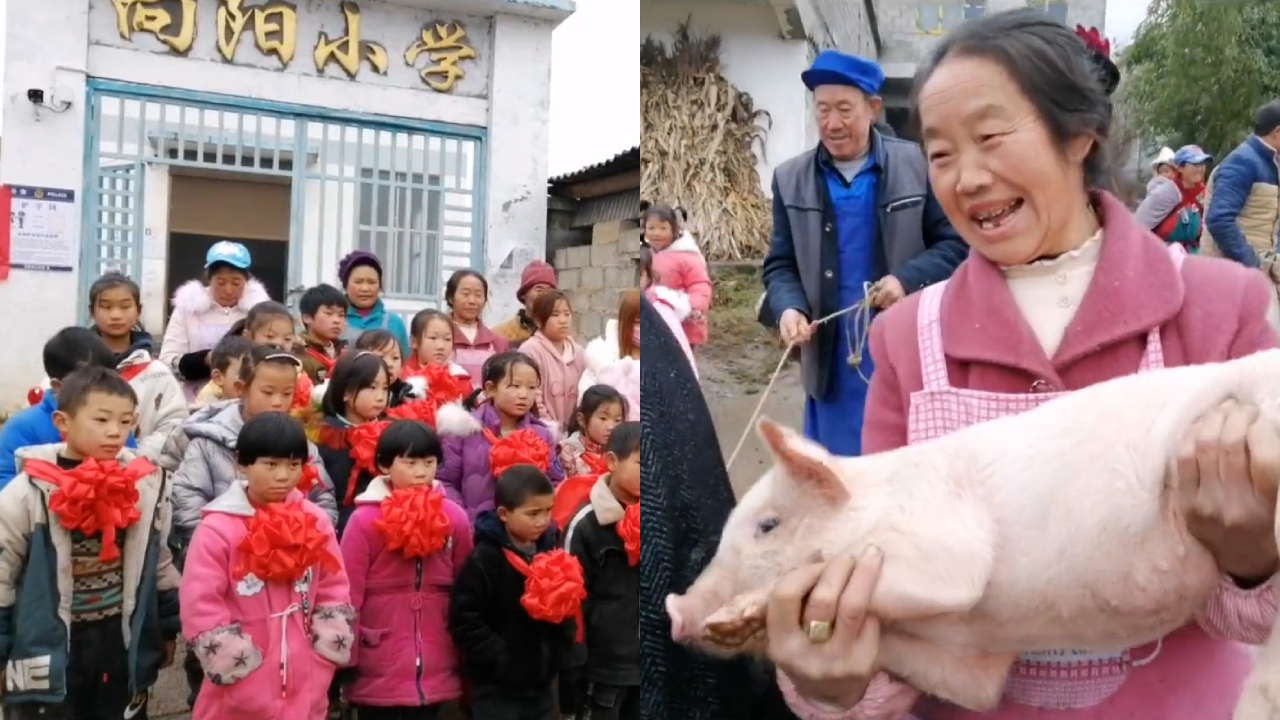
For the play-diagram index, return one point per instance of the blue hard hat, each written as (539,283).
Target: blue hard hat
(231,253)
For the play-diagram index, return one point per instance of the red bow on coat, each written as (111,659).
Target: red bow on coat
(363,440)
(629,531)
(522,447)
(554,587)
(414,522)
(99,497)
(283,541)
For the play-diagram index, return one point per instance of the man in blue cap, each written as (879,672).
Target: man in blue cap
(856,210)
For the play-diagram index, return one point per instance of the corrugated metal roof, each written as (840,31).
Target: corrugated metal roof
(607,208)
(620,163)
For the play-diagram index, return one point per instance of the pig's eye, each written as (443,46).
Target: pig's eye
(767,526)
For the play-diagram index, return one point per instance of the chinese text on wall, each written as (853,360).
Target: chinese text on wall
(272,28)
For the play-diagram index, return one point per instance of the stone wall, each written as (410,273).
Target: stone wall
(595,276)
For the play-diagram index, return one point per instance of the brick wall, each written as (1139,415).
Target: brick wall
(595,276)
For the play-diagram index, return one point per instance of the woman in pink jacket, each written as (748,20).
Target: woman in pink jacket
(1063,289)
(559,358)
(678,264)
(264,598)
(403,547)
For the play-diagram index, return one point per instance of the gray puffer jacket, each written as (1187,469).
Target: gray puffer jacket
(208,468)
(176,446)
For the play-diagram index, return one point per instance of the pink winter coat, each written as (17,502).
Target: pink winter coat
(404,656)
(673,307)
(558,394)
(254,640)
(682,267)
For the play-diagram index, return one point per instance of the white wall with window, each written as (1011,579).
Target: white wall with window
(430,180)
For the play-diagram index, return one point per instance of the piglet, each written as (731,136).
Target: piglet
(1056,528)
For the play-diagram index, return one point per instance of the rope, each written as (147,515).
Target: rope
(856,339)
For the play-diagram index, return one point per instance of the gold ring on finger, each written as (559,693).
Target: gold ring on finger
(818,631)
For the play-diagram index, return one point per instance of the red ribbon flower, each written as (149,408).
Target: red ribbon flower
(423,410)
(309,480)
(629,531)
(363,440)
(100,497)
(414,522)
(302,393)
(554,587)
(283,541)
(443,386)
(522,447)
(595,462)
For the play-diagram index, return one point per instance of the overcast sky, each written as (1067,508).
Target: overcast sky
(1123,17)
(595,84)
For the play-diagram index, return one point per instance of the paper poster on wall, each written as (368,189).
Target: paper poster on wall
(40,228)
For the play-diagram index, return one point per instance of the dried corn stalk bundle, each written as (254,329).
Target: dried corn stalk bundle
(698,147)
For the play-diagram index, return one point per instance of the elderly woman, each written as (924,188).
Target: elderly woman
(360,273)
(1063,289)
(204,311)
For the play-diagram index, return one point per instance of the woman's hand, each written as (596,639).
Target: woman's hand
(828,599)
(1228,466)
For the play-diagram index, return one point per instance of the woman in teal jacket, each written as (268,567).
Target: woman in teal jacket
(361,276)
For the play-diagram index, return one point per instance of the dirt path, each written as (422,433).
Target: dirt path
(735,367)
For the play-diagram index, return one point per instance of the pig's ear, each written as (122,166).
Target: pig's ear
(805,462)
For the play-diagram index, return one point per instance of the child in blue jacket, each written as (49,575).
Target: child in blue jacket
(69,350)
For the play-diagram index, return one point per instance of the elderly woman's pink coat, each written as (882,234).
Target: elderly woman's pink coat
(404,655)
(1210,311)
(268,650)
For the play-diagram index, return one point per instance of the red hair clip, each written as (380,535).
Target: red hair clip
(1094,40)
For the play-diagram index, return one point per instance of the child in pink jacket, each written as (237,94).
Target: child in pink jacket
(264,597)
(678,264)
(403,547)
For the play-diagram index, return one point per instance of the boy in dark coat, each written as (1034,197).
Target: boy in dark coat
(606,542)
(510,657)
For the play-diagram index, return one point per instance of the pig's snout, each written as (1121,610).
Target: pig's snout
(686,623)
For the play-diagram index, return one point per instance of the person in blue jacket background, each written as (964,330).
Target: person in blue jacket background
(856,211)
(1243,214)
(361,275)
(70,349)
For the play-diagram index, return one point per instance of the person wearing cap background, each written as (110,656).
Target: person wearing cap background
(1174,206)
(360,273)
(856,209)
(203,311)
(537,278)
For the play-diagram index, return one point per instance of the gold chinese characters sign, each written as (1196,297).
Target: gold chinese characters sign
(272,26)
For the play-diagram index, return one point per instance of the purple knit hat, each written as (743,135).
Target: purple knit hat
(354,260)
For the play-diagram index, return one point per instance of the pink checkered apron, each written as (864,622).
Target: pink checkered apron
(1057,679)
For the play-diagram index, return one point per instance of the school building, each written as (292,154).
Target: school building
(139,132)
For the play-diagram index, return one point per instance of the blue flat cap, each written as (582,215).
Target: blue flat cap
(836,68)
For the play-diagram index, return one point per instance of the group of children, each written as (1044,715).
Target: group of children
(328,507)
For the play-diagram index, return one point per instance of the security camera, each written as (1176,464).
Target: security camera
(36,96)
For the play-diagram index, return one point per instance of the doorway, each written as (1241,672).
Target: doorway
(206,207)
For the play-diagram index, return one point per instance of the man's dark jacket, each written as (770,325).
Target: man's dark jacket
(687,499)
(917,244)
